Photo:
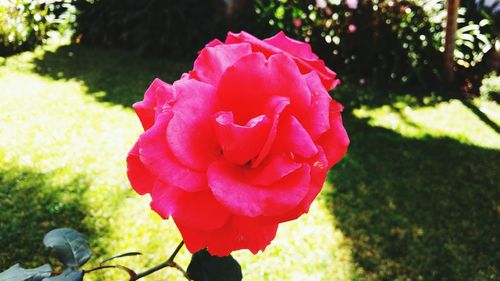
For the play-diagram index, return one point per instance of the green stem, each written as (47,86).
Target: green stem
(135,276)
(168,263)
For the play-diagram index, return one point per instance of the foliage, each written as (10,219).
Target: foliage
(70,247)
(26,23)
(17,273)
(376,40)
(474,33)
(170,28)
(490,88)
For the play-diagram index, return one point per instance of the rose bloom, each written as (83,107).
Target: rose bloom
(240,144)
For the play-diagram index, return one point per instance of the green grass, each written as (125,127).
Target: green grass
(416,198)
(418,192)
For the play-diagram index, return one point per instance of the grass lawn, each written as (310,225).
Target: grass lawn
(416,197)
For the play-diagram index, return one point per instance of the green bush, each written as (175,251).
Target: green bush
(383,42)
(25,23)
(166,27)
(490,88)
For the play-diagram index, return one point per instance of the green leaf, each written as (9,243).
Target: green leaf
(17,273)
(280,12)
(69,246)
(67,275)
(204,267)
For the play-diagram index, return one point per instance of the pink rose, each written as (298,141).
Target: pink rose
(240,144)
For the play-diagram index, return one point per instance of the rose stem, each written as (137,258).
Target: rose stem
(168,263)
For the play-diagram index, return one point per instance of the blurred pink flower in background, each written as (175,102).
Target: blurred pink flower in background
(351,28)
(297,22)
(351,4)
(321,4)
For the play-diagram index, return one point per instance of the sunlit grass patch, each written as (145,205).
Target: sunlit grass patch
(445,119)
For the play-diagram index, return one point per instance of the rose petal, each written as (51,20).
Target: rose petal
(292,137)
(335,141)
(231,188)
(319,170)
(213,61)
(306,64)
(213,43)
(247,88)
(140,178)
(293,47)
(155,97)
(197,210)
(157,157)
(272,170)
(280,103)
(241,144)
(189,134)
(316,120)
(327,76)
(238,233)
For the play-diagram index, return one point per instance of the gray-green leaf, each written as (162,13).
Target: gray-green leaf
(17,273)
(70,247)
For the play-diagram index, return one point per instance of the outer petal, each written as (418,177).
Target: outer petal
(232,188)
(240,144)
(247,88)
(335,141)
(213,43)
(327,76)
(157,157)
(304,60)
(139,176)
(319,170)
(238,233)
(296,48)
(213,61)
(198,210)
(316,120)
(189,134)
(155,97)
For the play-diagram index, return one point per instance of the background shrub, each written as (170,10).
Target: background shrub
(25,23)
(383,42)
(166,27)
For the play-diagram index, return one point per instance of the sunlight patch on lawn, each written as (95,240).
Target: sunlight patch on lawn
(446,119)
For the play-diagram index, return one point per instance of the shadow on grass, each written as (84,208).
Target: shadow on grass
(31,206)
(113,76)
(481,115)
(418,209)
